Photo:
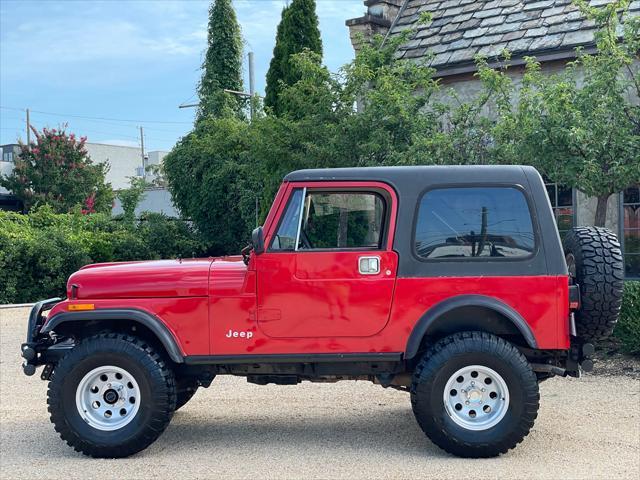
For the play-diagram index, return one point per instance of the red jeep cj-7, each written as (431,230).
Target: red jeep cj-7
(450,283)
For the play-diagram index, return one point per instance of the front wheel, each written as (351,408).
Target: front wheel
(186,388)
(111,396)
(475,395)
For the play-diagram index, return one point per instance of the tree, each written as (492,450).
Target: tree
(581,127)
(131,197)
(222,66)
(298,31)
(274,74)
(56,170)
(208,173)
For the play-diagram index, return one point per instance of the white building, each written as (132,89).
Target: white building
(124,163)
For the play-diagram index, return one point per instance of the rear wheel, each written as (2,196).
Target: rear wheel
(111,396)
(474,395)
(595,263)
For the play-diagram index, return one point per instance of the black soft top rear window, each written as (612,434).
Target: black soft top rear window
(474,222)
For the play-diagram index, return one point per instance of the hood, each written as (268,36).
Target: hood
(161,278)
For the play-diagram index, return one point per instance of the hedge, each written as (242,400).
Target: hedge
(39,251)
(628,328)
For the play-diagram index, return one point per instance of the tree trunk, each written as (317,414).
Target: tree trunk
(601,210)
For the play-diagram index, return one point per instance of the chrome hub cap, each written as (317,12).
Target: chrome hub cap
(108,398)
(476,397)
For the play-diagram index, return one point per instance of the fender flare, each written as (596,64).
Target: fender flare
(430,316)
(153,323)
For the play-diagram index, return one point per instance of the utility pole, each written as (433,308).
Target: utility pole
(252,85)
(28,130)
(144,161)
(250,95)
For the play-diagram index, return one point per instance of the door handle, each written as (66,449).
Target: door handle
(369,265)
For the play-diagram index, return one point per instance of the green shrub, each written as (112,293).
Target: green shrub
(39,251)
(628,328)
(168,237)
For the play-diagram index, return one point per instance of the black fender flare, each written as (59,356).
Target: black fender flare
(432,314)
(153,323)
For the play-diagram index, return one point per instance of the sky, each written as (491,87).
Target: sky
(107,67)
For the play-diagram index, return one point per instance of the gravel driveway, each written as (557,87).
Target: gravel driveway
(587,428)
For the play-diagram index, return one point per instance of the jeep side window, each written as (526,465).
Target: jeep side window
(341,220)
(474,222)
(285,238)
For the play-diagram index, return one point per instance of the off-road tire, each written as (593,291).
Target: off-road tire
(446,357)
(599,271)
(157,390)
(186,388)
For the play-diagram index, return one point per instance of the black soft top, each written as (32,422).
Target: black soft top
(411,182)
(402,177)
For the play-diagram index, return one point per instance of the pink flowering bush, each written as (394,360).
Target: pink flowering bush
(56,170)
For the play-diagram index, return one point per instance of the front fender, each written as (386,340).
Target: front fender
(153,323)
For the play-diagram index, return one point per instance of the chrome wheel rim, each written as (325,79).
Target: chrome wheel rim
(108,398)
(476,397)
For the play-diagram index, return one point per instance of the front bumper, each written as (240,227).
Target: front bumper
(39,350)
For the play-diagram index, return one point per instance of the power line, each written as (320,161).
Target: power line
(86,117)
(179,130)
(170,129)
(109,119)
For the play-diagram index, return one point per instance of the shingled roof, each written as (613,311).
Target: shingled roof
(462,29)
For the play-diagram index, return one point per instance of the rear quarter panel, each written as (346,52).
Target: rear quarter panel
(541,300)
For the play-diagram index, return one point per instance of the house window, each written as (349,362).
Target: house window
(562,202)
(630,231)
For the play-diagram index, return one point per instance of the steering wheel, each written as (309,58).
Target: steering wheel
(306,243)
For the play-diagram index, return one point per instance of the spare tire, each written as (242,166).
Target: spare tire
(595,263)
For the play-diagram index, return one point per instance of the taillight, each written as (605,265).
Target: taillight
(574,297)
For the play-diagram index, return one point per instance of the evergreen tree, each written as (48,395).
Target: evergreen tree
(274,75)
(222,67)
(298,30)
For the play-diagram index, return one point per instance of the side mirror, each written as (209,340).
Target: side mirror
(257,241)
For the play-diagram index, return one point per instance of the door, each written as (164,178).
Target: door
(329,269)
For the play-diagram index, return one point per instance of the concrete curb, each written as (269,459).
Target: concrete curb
(16,305)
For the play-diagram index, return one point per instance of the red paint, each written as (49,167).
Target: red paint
(529,296)
(187,318)
(163,278)
(322,294)
(232,304)
(306,302)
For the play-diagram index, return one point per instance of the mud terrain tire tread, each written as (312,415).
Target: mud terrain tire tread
(186,388)
(161,380)
(433,361)
(600,274)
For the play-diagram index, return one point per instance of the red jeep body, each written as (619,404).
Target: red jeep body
(317,302)
(448,282)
